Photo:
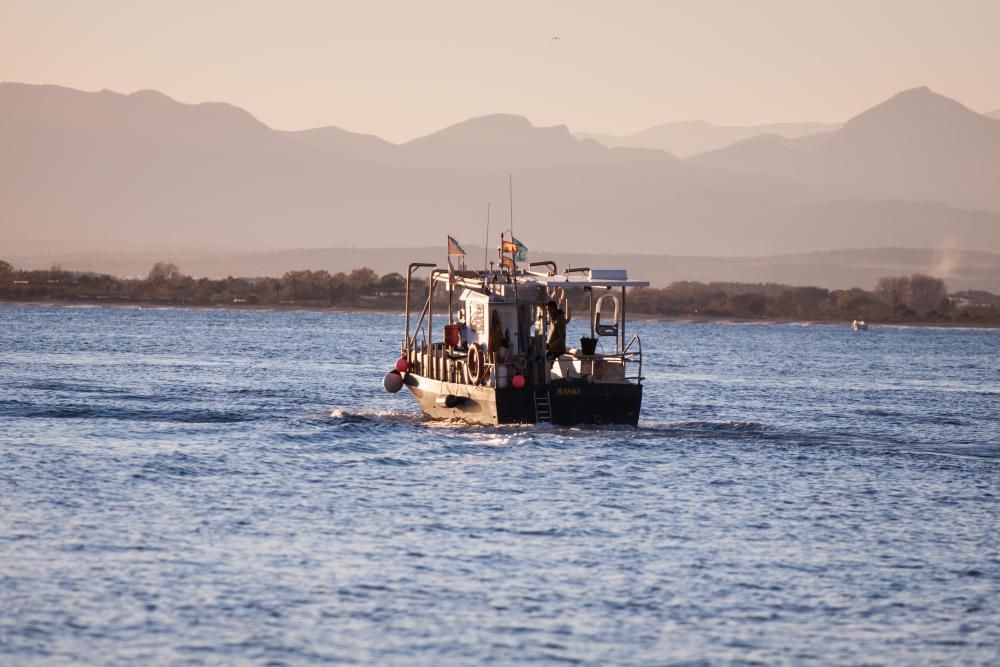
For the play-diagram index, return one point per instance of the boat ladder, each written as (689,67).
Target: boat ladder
(543,408)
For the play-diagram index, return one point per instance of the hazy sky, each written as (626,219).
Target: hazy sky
(403,69)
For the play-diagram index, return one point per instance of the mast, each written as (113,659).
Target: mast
(486,241)
(510,193)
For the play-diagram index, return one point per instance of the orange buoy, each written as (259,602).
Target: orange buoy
(452,337)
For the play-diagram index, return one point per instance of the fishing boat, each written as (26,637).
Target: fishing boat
(492,365)
(859,325)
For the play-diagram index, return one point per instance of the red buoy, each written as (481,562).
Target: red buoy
(402,365)
(517,381)
(452,337)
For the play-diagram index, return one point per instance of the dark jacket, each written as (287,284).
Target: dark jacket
(556,343)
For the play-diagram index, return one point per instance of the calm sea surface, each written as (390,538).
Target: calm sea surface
(204,487)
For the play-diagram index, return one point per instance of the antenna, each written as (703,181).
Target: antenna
(510,190)
(513,264)
(486,243)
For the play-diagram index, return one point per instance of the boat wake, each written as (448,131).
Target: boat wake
(719,432)
(374,417)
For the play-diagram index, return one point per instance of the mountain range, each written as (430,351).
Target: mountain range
(687,138)
(116,172)
(916,146)
(498,142)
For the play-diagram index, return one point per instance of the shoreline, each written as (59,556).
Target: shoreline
(167,305)
(635,317)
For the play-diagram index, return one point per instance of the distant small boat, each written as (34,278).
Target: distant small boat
(859,325)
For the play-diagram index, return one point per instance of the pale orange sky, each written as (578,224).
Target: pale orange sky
(404,69)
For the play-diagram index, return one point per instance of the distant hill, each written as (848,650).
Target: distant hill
(994,114)
(691,137)
(356,146)
(113,172)
(916,146)
(499,141)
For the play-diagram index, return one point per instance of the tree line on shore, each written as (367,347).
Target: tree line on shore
(900,299)
(894,299)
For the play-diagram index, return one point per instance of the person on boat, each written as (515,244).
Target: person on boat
(497,338)
(556,343)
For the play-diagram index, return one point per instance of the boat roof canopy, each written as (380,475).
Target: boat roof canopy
(584,278)
(590,278)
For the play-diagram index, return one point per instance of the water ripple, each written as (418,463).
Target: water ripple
(203,487)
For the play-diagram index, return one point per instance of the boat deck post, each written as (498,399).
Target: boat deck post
(406,299)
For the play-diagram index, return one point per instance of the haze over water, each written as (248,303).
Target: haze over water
(182,486)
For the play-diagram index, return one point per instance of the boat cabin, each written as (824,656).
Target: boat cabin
(502,316)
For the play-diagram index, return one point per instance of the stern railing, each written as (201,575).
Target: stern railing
(632,356)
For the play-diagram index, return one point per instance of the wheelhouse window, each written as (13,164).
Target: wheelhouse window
(477,317)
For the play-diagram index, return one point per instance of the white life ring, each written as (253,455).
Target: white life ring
(475,365)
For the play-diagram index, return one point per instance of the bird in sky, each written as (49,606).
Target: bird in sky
(556,38)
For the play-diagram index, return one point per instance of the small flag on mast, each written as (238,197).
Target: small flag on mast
(455,250)
(516,248)
(522,251)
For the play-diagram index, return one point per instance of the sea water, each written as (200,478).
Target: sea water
(216,486)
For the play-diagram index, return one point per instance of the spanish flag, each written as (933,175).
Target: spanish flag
(516,248)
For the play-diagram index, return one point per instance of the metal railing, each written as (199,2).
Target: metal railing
(407,341)
(630,356)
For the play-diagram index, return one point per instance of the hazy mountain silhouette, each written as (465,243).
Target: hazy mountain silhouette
(499,141)
(916,146)
(144,169)
(994,114)
(687,138)
(105,170)
(347,144)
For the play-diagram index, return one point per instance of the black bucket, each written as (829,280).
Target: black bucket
(588,345)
